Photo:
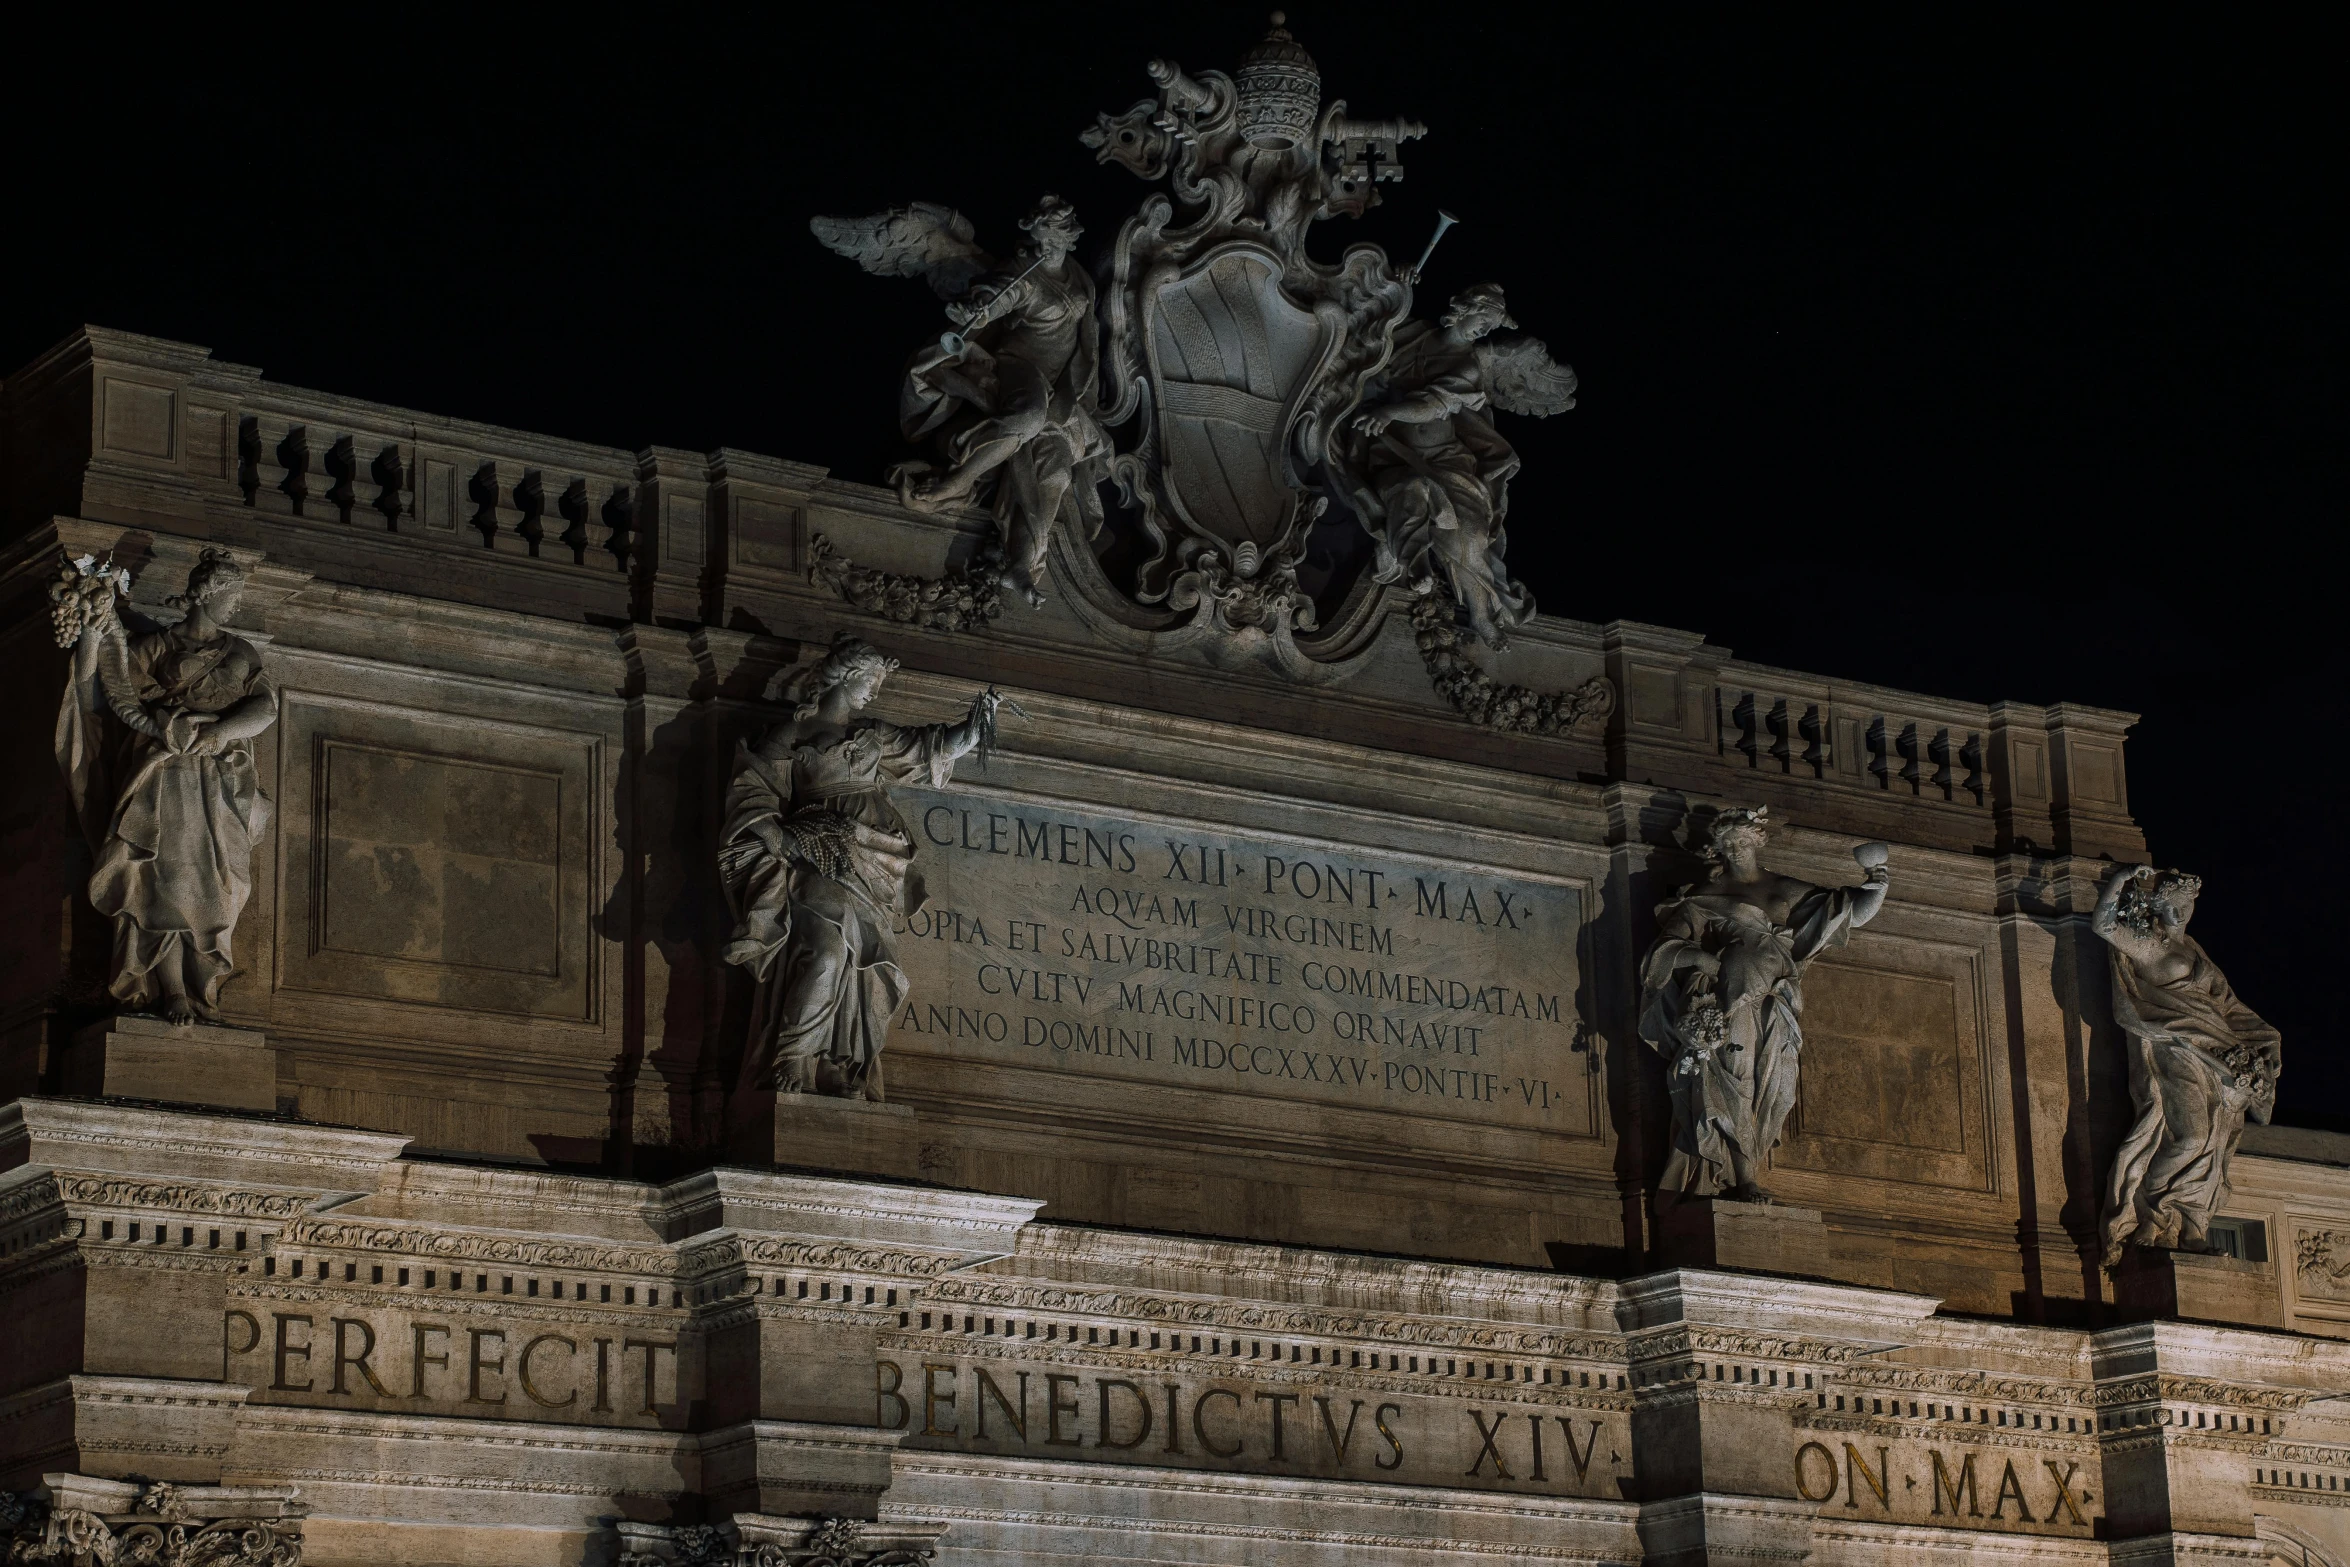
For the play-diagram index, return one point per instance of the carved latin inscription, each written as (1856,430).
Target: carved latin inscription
(1209,959)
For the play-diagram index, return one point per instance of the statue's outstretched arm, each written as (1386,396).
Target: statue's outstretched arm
(1870,896)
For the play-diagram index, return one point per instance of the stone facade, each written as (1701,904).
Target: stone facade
(1270,1163)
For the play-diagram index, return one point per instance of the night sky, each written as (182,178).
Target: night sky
(1982,355)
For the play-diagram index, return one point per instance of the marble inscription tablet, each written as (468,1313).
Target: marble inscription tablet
(1178,954)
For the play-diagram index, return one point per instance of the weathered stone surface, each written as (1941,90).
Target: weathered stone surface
(1133,1264)
(179,1063)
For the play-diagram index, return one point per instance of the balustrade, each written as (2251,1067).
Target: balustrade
(1852,741)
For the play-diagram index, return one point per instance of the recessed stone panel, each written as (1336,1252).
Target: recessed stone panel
(139,420)
(439,863)
(1892,1085)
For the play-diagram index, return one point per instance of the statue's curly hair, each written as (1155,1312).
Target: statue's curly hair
(1732,819)
(216,572)
(1053,213)
(850,655)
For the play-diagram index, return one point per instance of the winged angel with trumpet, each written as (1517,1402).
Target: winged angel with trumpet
(1008,397)
(1427,471)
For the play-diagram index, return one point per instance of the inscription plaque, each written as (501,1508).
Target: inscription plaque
(1179,954)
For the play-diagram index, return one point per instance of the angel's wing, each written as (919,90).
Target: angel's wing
(923,240)
(1522,378)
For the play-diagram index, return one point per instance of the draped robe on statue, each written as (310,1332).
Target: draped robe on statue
(2200,1063)
(814,924)
(173,833)
(1442,485)
(1716,949)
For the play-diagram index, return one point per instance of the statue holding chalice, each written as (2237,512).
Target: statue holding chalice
(1722,999)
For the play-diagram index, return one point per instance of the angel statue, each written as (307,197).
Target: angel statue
(1428,473)
(819,869)
(155,737)
(2201,1063)
(1722,999)
(1008,397)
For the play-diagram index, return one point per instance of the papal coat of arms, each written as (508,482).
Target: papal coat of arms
(1233,391)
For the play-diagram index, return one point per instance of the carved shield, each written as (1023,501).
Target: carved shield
(1232,359)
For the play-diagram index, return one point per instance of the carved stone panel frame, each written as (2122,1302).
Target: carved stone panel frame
(1897,1068)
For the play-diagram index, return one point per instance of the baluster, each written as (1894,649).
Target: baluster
(1738,731)
(1939,755)
(1908,745)
(293,455)
(483,487)
(342,465)
(1880,765)
(249,458)
(574,506)
(620,516)
(1970,756)
(1938,752)
(1814,730)
(530,499)
(1781,751)
(390,479)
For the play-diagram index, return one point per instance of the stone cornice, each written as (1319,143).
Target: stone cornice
(1464,1332)
(111,1137)
(819,1208)
(1827,1312)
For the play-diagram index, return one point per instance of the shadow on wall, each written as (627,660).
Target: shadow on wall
(668,917)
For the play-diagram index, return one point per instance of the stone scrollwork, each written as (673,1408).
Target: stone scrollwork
(76,1521)
(678,1545)
(964,599)
(755,1540)
(1231,355)
(1253,388)
(1487,702)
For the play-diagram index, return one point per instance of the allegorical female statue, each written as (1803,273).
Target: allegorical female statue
(155,736)
(819,868)
(2200,1062)
(1722,1000)
(1430,475)
(1009,396)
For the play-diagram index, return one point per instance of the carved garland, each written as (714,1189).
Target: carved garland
(1485,701)
(763,1252)
(116,1192)
(964,599)
(437,1245)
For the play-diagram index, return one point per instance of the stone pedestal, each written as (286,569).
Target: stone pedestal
(187,1063)
(2151,1284)
(1758,1237)
(817,1132)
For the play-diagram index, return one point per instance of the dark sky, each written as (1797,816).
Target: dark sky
(1987,355)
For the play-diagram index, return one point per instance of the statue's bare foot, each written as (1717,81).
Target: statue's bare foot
(179,1012)
(1018,582)
(1746,1191)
